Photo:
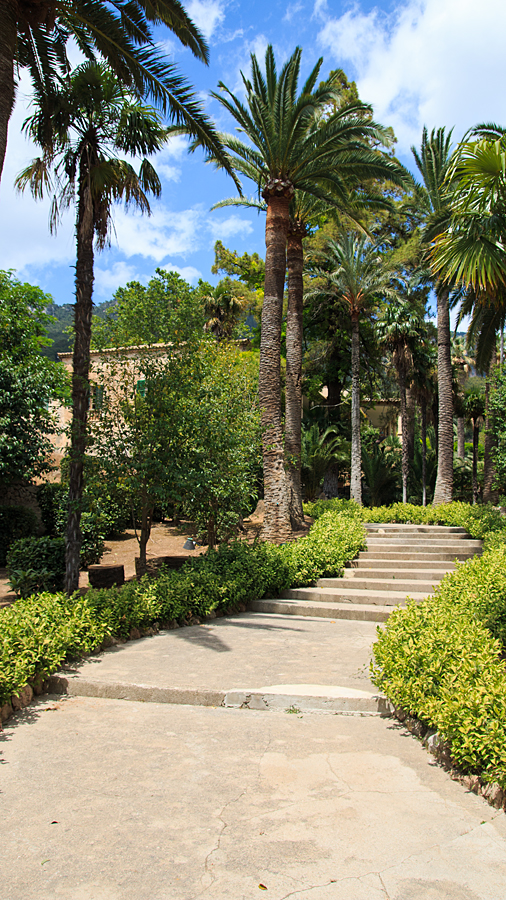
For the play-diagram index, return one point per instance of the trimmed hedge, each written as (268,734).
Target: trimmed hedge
(36,564)
(37,634)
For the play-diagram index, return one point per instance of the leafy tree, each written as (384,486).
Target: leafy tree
(81,129)
(497,425)
(29,382)
(34,37)
(319,451)
(166,309)
(224,309)
(293,145)
(179,426)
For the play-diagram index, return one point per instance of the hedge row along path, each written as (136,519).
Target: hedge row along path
(400,561)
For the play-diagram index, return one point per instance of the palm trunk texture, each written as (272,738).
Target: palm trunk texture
(276,525)
(8,36)
(444,481)
(461,438)
(489,494)
(293,408)
(356,452)
(423,412)
(476,438)
(405,435)
(80,381)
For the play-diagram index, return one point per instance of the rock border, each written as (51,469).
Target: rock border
(441,750)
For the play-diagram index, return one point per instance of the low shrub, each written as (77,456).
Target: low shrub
(15,522)
(36,564)
(223,579)
(441,660)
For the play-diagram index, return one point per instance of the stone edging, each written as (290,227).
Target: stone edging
(40,685)
(441,750)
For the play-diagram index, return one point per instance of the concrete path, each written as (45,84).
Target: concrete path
(104,799)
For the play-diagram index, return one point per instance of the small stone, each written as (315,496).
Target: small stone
(149,632)
(212,615)
(135,634)
(173,624)
(5,712)
(23,698)
(195,620)
(219,613)
(241,607)
(400,713)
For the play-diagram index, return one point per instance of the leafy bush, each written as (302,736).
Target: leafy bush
(15,522)
(441,661)
(222,579)
(36,564)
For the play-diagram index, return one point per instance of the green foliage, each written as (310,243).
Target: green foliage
(441,661)
(36,564)
(335,538)
(29,382)
(497,410)
(165,310)
(38,633)
(101,517)
(480,521)
(15,522)
(318,453)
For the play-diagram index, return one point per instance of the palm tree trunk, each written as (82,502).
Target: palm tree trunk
(489,494)
(405,436)
(276,525)
(80,380)
(295,263)
(410,422)
(476,436)
(444,481)
(8,36)
(356,452)
(423,411)
(461,438)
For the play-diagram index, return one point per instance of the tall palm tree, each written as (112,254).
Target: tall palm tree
(81,129)
(400,330)
(433,161)
(354,273)
(463,363)
(295,142)
(34,34)
(424,389)
(474,404)
(223,309)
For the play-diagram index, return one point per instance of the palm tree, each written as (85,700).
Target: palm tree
(354,274)
(474,404)
(296,143)
(463,362)
(434,195)
(424,388)
(400,330)
(34,36)
(223,309)
(88,122)
(318,453)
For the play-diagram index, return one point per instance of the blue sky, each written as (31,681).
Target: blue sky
(433,62)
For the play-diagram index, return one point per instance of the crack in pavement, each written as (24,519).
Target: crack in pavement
(215,849)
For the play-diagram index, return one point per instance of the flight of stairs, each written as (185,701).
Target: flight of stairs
(400,561)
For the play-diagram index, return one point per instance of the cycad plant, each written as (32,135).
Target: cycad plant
(319,451)
(81,129)
(295,142)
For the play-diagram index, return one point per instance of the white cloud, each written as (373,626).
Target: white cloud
(429,62)
(230,227)
(107,280)
(189,273)
(163,234)
(292,11)
(207,15)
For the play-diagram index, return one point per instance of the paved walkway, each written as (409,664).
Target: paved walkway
(104,799)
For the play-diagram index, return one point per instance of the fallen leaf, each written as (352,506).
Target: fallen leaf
(262,887)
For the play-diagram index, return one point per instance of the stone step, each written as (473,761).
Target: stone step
(392,573)
(374,543)
(347,594)
(392,528)
(362,612)
(381,582)
(439,567)
(414,556)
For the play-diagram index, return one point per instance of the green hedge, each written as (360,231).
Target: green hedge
(36,564)
(38,633)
